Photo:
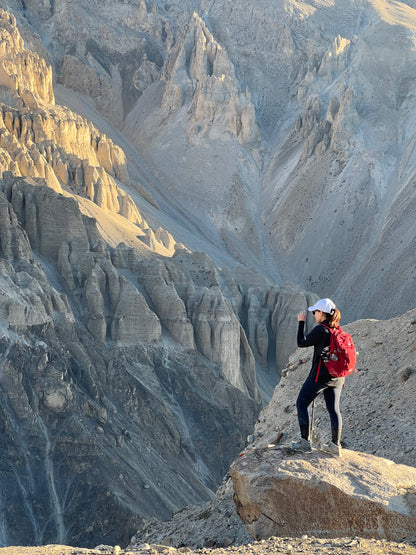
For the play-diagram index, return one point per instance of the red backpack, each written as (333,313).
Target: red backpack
(342,356)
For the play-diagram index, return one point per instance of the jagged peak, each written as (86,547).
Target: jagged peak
(199,52)
(200,73)
(196,22)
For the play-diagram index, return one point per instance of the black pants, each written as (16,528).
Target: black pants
(310,390)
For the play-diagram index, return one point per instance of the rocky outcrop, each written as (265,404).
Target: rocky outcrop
(27,299)
(232,325)
(220,338)
(160,286)
(114,307)
(271,320)
(51,142)
(60,137)
(91,379)
(200,101)
(116,431)
(68,153)
(200,317)
(291,495)
(72,156)
(111,305)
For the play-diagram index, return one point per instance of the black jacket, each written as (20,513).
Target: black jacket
(319,339)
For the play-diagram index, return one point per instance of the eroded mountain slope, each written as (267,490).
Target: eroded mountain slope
(285,130)
(131,367)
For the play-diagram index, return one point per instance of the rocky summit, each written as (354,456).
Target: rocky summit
(177,181)
(377,402)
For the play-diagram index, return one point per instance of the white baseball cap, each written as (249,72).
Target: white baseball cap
(324,305)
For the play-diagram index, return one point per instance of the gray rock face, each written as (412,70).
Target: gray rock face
(85,438)
(126,432)
(199,305)
(271,319)
(318,495)
(80,406)
(89,384)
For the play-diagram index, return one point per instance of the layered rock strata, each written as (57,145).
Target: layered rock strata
(42,140)
(87,364)
(96,409)
(298,117)
(25,78)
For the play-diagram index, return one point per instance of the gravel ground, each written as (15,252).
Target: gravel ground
(288,546)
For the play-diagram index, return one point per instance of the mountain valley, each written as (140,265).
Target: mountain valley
(177,181)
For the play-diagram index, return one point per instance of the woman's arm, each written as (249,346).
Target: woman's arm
(313,338)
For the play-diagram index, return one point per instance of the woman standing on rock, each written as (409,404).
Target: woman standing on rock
(319,380)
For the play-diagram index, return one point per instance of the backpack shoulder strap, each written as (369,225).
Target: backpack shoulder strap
(337,328)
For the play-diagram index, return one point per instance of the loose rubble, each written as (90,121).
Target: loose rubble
(274,545)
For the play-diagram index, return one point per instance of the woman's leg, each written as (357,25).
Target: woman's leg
(309,391)
(332,397)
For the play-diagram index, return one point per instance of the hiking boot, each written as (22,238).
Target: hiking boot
(332,448)
(301,445)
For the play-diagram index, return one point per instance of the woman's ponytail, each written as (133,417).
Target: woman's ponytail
(334,318)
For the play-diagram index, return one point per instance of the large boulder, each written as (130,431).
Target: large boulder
(281,494)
